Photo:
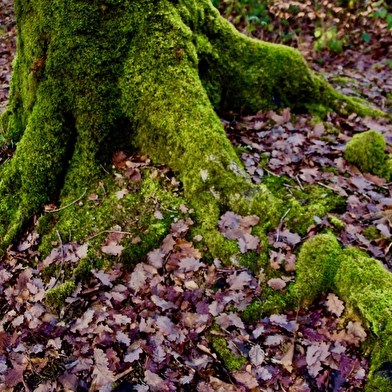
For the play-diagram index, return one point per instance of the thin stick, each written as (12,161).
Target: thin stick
(280,224)
(326,186)
(70,204)
(270,172)
(108,231)
(299,183)
(104,170)
(62,257)
(166,209)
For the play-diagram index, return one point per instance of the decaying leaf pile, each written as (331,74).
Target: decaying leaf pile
(153,327)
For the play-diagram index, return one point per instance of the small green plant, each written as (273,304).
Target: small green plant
(327,38)
(381,12)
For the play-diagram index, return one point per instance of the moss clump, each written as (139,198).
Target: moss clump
(82,270)
(57,295)
(367,151)
(366,286)
(371,233)
(316,266)
(252,313)
(336,222)
(219,345)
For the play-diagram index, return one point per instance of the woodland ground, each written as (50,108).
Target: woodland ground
(150,328)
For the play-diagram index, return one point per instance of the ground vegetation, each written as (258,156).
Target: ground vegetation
(143,248)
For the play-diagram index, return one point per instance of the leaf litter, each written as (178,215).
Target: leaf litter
(150,328)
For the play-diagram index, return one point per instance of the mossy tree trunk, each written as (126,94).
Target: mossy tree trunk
(91,78)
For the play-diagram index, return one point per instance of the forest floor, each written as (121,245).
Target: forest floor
(148,329)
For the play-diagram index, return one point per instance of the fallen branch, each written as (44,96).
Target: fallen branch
(70,204)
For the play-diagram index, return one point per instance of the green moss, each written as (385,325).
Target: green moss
(379,378)
(371,233)
(336,222)
(313,201)
(273,301)
(153,83)
(219,345)
(57,295)
(342,81)
(316,266)
(252,313)
(331,170)
(367,151)
(82,270)
(366,286)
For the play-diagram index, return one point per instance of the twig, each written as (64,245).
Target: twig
(280,224)
(109,231)
(104,170)
(270,172)
(122,374)
(62,257)
(166,209)
(299,183)
(103,188)
(326,186)
(70,204)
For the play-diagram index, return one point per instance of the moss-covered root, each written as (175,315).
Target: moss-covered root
(366,286)
(316,266)
(367,151)
(363,283)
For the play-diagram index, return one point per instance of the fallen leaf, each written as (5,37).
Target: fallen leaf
(256,355)
(112,249)
(155,258)
(158,215)
(102,375)
(355,328)
(122,193)
(245,378)
(334,304)
(83,322)
(226,320)
(277,284)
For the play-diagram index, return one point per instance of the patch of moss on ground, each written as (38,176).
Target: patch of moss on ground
(134,213)
(304,204)
(219,345)
(252,313)
(336,222)
(371,233)
(56,296)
